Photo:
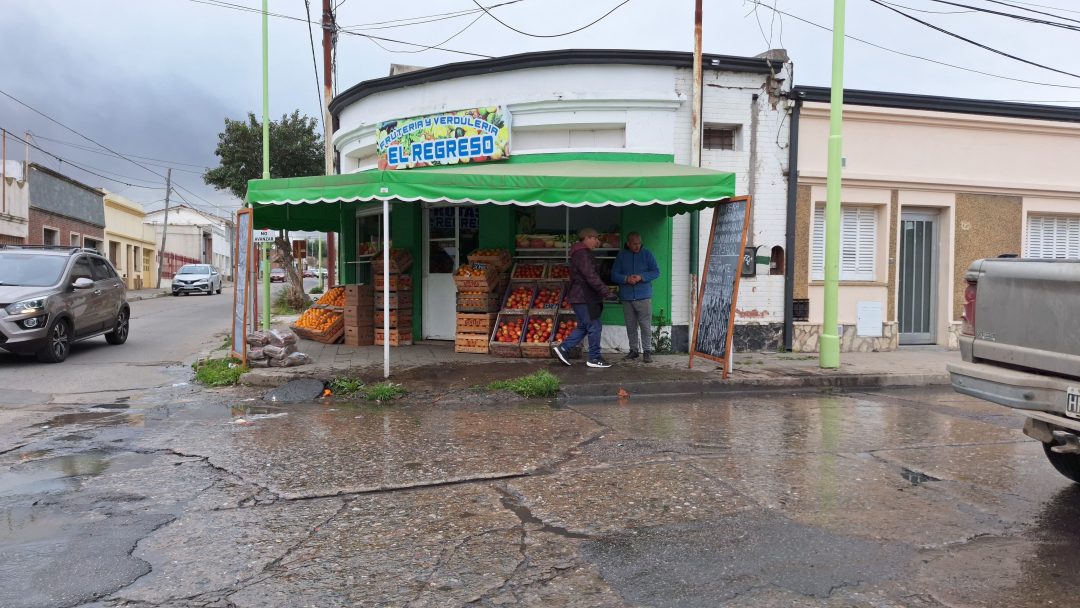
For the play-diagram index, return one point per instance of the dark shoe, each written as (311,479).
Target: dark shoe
(560,354)
(598,363)
(631,355)
(647,357)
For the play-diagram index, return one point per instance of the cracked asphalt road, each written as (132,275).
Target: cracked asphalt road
(187,497)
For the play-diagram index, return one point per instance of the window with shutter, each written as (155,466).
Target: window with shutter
(1053,237)
(858,244)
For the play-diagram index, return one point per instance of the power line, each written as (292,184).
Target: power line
(395,23)
(1056,8)
(514,29)
(919,57)
(923,10)
(376,39)
(1018,7)
(163,163)
(972,42)
(1015,16)
(79,166)
(436,46)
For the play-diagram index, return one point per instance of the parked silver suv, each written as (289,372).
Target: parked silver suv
(52,296)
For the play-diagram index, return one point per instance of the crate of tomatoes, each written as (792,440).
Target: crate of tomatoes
(536,339)
(506,337)
(565,324)
(547,297)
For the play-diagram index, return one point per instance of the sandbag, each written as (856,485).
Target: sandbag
(258,338)
(254,354)
(279,352)
(282,337)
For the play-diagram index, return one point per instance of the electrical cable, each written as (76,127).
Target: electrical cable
(395,23)
(514,29)
(160,163)
(972,42)
(927,11)
(79,166)
(1015,16)
(920,57)
(455,35)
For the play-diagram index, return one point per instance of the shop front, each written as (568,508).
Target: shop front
(530,206)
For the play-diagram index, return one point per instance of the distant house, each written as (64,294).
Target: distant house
(130,242)
(64,211)
(14,203)
(193,236)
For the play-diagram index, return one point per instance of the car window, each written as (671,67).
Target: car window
(101,269)
(81,269)
(31,270)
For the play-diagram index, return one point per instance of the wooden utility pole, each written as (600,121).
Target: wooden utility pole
(164,226)
(695,158)
(329,28)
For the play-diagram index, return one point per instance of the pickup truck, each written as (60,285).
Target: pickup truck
(1020,347)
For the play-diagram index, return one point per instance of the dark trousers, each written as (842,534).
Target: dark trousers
(586,326)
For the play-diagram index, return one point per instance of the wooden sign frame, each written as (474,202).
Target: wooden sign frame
(725,362)
(242,296)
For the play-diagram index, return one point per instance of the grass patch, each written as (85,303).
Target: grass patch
(285,304)
(316,290)
(385,391)
(537,384)
(218,372)
(226,345)
(346,386)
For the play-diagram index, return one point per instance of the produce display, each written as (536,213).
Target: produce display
(546,297)
(565,303)
(471,270)
(565,328)
(519,298)
(539,330)
(334,297)
(488,252)
(509,331)
(528,271)
(366,249)
(560,271)
(318,319)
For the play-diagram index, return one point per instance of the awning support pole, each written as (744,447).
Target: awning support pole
(386,287)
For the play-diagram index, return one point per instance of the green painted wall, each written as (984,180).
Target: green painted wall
(497,227)
(656,230)
(347,245)
(407,232)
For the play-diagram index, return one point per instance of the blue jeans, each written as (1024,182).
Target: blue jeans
(585,326)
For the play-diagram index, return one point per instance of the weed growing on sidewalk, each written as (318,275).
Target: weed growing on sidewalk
(385,391)
(218,372)
(345,385)
(538,384)
(661,340)
(226,345)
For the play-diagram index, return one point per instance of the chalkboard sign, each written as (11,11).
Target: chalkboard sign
(720,283)
(242,268)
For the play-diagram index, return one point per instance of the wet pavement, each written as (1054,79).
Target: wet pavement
(455,496)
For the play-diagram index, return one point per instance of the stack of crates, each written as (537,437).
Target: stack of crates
(401,309)
(359,320)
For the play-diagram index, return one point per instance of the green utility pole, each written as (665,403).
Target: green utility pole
(829,347)
(266,158)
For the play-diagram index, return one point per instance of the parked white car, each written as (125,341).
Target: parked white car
(196,278)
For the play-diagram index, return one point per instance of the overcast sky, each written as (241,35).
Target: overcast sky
(156,78)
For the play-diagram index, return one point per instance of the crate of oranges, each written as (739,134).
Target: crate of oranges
(333,298)
(499,259)
(321,325)
(475,277)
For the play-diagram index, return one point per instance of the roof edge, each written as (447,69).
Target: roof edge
(754,65)
(936,103)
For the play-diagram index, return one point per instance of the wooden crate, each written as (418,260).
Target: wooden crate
(400,261)
(398,317)
(499,260)
(510,289)
(401,336)
(359,295)
(398,299)
(476,323)
(558,271)
(479,302)
(471,343)
(537,350)
(505,349)
(483,278)
(573,353)
(359,336)
(529,271)
(359,315)
(332,334)
(398,282)
(558,287)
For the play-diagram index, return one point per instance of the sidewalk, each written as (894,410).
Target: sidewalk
(435,366)
(134,295)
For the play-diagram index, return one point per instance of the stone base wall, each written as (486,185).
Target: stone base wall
(750,338)
(807,336)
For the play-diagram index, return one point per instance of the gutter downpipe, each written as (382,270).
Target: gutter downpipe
(789,244)
(695,161)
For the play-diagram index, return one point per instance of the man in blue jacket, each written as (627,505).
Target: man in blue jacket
(634,271)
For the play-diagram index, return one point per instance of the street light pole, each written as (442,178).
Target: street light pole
(829,347)
(266,158)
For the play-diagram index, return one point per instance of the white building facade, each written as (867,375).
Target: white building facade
(193,236)
(616,101)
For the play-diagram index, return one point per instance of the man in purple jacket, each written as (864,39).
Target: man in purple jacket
(587,294)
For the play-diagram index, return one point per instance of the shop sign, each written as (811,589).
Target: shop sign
(464,136)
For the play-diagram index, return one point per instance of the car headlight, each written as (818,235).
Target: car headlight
(35,305)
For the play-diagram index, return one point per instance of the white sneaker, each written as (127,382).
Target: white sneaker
(560,354)
(598,363)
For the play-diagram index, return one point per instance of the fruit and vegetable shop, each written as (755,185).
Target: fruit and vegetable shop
(479,250)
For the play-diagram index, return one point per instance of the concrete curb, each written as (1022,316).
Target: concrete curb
(149,296)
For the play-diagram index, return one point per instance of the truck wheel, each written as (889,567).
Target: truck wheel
(1066,464)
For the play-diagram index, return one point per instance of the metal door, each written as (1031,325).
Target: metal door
(918,278)
(450,233)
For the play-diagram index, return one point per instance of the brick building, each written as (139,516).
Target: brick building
(64,211)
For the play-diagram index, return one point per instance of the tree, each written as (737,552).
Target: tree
(296,150)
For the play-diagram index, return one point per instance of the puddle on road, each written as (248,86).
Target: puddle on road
(50,475)
(93,418)
(916,478)
(26,525)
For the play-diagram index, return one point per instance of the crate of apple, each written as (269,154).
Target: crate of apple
(519,297)
(559,271)
(509,331)
(539,330)
(528,271)
(547,297)
(566,327)
(565,304)
(506,337)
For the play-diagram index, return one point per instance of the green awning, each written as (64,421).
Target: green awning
(601,181)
